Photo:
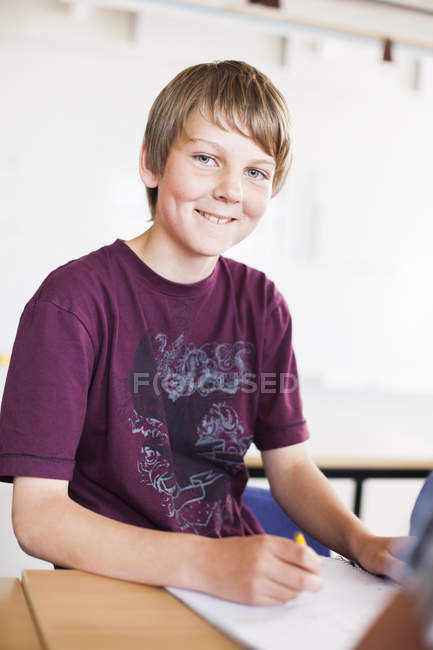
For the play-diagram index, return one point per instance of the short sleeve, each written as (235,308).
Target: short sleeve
(280,420)
(45,395)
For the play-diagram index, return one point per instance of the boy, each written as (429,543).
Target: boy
(135,385)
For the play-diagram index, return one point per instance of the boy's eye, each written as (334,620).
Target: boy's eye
(256,173)
(208,161)
(204,159)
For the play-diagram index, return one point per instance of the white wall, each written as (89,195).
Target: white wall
(348,240)
(356,217)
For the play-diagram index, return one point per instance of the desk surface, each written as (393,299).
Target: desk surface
(354,462)
(75,610)
(17,631)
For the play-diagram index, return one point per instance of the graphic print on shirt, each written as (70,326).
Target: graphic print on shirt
(212,367)
(221,437)
(191,436)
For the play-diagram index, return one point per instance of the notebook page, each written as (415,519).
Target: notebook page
(332,619)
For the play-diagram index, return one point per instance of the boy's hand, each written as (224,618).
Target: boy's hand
(380,555)
(260,570)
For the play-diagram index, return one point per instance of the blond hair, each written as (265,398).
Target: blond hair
(229,93)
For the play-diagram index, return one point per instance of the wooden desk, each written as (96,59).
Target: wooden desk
(80,611)
(17,631)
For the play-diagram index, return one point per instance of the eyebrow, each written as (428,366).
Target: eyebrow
(261,161)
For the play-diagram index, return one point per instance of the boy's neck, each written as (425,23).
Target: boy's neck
(168,261)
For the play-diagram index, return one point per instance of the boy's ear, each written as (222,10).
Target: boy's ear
(147,176)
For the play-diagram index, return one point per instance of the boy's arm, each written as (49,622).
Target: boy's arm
(306,495)
(260,569)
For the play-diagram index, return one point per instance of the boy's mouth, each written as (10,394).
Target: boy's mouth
(214,218)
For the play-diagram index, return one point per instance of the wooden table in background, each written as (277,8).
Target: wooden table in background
(357,468)
(74,610)
(17,631)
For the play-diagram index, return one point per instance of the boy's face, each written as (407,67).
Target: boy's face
(215,188)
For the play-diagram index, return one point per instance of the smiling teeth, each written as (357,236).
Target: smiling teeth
(213,219)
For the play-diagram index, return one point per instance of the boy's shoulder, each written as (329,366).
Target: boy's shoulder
(252,282)
(243,272)
(79,280)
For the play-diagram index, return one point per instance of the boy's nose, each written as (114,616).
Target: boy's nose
(228,188)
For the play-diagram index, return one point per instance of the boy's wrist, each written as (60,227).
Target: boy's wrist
(357,540)
(194,559)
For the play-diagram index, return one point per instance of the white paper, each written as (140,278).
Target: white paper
(332,619)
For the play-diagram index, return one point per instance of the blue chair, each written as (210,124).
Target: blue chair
(273,519)
(423,507)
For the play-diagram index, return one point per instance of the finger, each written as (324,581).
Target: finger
(395,569)
(297,554)
(278,594)
(277,598)
(292,577)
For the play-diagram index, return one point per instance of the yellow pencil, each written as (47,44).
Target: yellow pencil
(299,538)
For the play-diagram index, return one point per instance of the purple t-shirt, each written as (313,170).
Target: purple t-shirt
(145,394)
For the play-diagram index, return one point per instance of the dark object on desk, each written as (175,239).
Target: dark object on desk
(273,519)
(387,50)
(267,3)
